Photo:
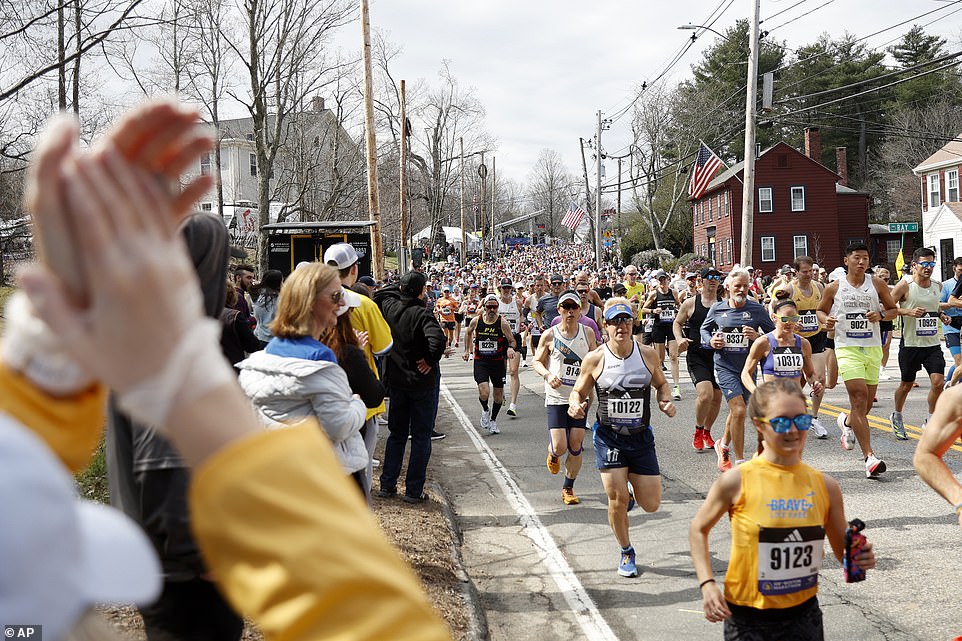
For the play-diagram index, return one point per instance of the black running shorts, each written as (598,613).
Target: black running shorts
(701,365)
(912,359)
(494,371)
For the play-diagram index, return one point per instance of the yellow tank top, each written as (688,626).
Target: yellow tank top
(777,535)
(808,320)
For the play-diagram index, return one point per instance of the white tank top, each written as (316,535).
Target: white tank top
(624,392)
(851,306)
(509,312)
(564,361)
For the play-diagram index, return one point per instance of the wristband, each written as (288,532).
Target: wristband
(705,582)
(195,366)
(958,508)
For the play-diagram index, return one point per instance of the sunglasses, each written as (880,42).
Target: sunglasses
(926,264)
(337,296)
(492,308)
(582,291)
(783,424)
(712,277)
(570,307)
(619,320)
(788,319)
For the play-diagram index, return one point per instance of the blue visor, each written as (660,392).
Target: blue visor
(619,309)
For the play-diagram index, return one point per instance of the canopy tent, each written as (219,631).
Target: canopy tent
(452,235)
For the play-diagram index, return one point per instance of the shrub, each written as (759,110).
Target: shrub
(651,258)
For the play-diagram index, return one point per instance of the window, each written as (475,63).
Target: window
(934,195)
(728,244)
(253,163)
(768,249)
(697,218)
(710,214)
(892,248)
(798,199)
(952,186)
(728,207)
(801,246)
(207,206)
(205,165)
(765,199)
(250,137)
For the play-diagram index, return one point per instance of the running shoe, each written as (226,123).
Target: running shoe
(524,363)
(512,410)
(819,430)
(554,463)
(698,441)
(898,426)
(724,457)
(493,427)
(848,436)
(627,566)
(382,419)
(631,498)
(568,496)
(873,466)
(485,419)
(708,442)
(676,395)
(437,436)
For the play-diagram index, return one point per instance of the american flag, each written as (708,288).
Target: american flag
(573,217)
(706,165)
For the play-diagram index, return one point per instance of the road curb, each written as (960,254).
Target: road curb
(477,620)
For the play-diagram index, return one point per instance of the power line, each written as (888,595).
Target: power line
(799,17)
(778,13)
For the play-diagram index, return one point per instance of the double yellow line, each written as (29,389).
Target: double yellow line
(883,424)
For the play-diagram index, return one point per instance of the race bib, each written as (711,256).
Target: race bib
(626,411)
(808,321)
(789,558)
(445,311)
(787,363)
(735,340)
(488,348)
(570,370)
(928,325)
(649,324)
(857,326)
(667,314)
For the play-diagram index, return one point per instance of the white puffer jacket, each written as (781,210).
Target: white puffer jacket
(286,390)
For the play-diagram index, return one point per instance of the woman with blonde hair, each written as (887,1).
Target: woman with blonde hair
(297,376)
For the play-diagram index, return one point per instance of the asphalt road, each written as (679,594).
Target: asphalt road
(544,569)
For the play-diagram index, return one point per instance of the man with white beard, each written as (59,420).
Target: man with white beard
(730,328)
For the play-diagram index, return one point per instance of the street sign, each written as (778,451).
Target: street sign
(607,233)
(903,228)
(482,171)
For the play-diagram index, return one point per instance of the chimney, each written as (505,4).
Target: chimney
(317,104)
(841,163)
(813,144)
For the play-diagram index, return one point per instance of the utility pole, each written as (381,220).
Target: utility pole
(598,194)
(482,174)
(748,188)
(464,235)
(584,169)
(403,258)
(373,203)
(618,238)
(494,186)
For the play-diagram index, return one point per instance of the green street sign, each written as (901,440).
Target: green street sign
(903,228)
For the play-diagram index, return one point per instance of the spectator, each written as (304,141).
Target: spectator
(236,339)
(265,307)
(243,281)
(413,377)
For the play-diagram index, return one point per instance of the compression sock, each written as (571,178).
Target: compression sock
(569,483)
(495,408)
(524,354)
(484,404)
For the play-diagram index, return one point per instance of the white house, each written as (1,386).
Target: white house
(942,205)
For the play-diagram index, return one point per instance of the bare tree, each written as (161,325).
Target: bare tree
(550,185)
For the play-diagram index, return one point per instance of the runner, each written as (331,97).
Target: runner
(921,342)
(558,362)
(806,292)
(783,354)
(885,326)
(700,359)
(530,305)
(510,310)
(851,306)
(493,345)
(602,288)
(444,309)
(951,333)
(634,292)
(781,510)
(589,309)
(939,435)
(547,308)
(624,374)
(520,295)
(662,303)
(729,328)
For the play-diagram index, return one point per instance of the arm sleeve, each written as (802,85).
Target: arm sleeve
(363,381)
(435,336)
(300,572)
(339,413)
(378,333)
(249,342)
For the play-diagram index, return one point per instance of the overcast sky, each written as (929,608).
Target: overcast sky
(543,68)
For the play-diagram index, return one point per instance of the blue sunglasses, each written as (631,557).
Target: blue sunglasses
(783,424)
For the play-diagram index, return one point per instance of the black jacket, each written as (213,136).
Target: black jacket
(417,335)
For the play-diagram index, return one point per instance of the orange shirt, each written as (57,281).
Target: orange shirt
(445,307)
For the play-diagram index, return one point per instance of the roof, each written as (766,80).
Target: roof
(735,169)
(321,225)
(949,154)
(842,189)
(955,208)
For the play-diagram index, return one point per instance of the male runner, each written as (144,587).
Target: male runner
(530,307)
(493,343)
(624,374)
(662,304)
(730,327)
(806,292)
(853,306)
(939,435)
(588,309)
(634,292)
(547,308)
(510,310)
(700,358)
(444,309)
(558,361)
(952,333)
(921,344)
(603,289)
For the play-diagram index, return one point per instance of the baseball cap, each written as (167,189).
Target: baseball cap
(61,555)
(618,309)
(705,271)
(413,282)
(474,285)
(836,274)
(351,299)
(506,282)
(367,280)
(661,273)
(519,285)
(341,255)
(490,298)
(446,288)
(749,268)
(619,288)
(786,269)
(690,275)
(569,296)
(556,278)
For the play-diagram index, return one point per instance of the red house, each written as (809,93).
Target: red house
(802,208)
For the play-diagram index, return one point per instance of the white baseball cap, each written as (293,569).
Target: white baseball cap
(351,299)
(61,555)
(341,255)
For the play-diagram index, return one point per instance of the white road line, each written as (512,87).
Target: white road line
(589,618)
